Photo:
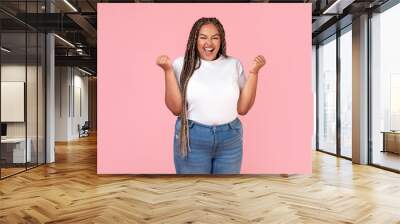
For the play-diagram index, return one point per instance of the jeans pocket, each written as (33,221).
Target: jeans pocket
(236,127)
(178,125)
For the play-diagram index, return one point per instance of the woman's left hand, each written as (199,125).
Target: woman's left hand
(258,63)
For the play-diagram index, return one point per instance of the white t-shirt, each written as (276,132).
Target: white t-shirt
(213,90)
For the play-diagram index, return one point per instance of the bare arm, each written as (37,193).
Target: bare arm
(248,92)
(173,98)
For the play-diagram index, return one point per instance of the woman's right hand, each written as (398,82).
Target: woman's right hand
(164,62)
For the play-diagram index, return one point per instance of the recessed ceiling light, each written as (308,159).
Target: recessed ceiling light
(5,50)
(337,7)
(84,71)
(70,5)
(64,40)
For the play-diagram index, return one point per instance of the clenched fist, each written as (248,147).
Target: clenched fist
(258,63)
(164,62)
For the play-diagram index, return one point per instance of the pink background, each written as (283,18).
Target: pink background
(135,128)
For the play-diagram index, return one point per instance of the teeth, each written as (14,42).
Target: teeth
(209,49)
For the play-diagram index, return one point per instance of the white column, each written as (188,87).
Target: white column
(50,93)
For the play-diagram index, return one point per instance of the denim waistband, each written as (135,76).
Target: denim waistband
(220,126)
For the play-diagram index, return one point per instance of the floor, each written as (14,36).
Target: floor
(387,159)
(5,172)
(70,191)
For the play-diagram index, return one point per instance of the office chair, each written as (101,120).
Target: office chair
(84,130)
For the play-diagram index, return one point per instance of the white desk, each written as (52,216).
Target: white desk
(18,150)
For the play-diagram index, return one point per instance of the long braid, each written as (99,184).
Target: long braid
(190,64)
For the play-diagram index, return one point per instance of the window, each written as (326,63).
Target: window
(346,92)
(327,95)
(385,88)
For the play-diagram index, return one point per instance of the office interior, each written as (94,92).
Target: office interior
(49,92)
(46,81)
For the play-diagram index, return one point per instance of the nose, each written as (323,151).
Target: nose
(208,42)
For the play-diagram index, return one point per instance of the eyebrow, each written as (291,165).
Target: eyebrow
(211,36)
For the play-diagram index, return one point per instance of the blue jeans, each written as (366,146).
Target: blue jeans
(213,149)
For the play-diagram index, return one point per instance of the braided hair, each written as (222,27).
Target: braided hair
(190,64)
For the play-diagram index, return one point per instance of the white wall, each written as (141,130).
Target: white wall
(15,72)
(12,73)
(62,81)
(80,84)
(71,93)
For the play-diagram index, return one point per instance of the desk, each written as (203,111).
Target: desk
(391,141)
(13,150)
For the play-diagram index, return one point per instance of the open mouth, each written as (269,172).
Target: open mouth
(209,49)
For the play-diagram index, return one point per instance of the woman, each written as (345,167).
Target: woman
(207,89)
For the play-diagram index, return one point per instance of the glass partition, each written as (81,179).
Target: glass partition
(327,95)
(22,88)
(13,110)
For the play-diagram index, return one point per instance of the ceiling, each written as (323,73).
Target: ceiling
(76,22)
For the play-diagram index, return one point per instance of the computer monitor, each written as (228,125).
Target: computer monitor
(3,129)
